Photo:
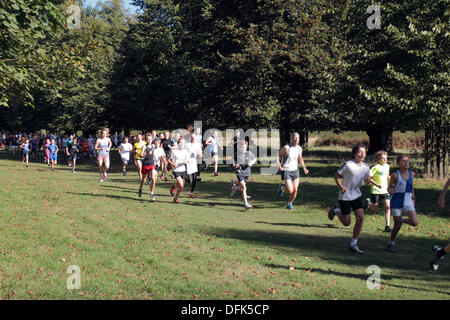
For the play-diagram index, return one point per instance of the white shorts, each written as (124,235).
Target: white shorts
(125,160)
(408,205)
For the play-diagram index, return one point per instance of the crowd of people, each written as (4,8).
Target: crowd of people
(182,158)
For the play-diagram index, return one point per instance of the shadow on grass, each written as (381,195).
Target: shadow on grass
(326,226)
(335,248)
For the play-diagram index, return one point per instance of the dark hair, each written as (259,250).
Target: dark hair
(400,156)
(357,146)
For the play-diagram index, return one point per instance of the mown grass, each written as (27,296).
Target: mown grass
(203,248)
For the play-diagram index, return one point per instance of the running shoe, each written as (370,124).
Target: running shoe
(73,171)
(290,206)
(165,179)
(435,260)
(233,190)
(281,190)
(101,180)
(191,195)
(215,174)
(390,247)
(175,200)
(356,249)
(124,173)
(172,190)
(105,175)
(152,197)
(162,177)
(248,206)
(199,179)
(140,193)
(333,211)
(387,229)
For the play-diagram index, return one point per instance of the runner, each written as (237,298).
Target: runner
(47,151)
(195,153)
(103,146)
(213,143)
(166,143)
(137,148)
(178,160)
(291,155)
(148,166)
(25,146)
(124,150)
(243,162)
(34,146)
(353,172)
(403,200)
(159,154)
(53,148)
(72,152)
(380,174)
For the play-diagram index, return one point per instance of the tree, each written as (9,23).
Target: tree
(26,62)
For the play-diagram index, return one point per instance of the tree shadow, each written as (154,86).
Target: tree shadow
(325,226)
(415,258)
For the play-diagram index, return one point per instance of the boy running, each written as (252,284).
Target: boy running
(53,148)
(195,152)
(242,163)
(178,160)
(380,174)
(352,173)
(124,150)
(72,152)
(403,200)
(148,166)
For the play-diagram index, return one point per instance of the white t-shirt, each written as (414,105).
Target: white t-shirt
(353,176)
(179,157)
(193,149)
(290,162)
(158,154)
(125,149)
(199,138)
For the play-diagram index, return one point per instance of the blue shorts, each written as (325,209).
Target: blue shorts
(53,157)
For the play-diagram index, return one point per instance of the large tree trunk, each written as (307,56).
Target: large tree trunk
(380,138)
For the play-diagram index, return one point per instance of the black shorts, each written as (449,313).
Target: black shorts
(242,177)
(346,206)
(180,174)
(376,198)
(291,175)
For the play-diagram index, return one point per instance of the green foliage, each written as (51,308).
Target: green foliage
(27,61)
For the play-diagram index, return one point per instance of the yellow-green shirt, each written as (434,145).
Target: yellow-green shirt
(379,174)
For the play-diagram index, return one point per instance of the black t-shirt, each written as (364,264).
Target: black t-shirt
(149,159)
(166,143)
(72,149)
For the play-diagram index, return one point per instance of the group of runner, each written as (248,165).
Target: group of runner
(167,152)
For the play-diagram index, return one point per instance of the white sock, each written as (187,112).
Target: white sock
(391,242)
(353,242)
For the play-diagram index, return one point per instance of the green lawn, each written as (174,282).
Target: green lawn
(204,248)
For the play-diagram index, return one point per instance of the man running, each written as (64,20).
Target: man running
(291,155)
(352,173)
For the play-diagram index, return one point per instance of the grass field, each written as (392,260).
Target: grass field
(208,247)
